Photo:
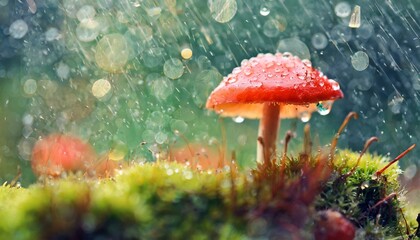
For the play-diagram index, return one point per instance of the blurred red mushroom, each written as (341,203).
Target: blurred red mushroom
(271,87)
(57,153)
(331,225)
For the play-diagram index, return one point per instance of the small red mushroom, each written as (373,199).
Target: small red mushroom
(271,87)
(331,225)
(57,153)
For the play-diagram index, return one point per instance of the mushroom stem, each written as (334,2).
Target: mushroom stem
(269,125)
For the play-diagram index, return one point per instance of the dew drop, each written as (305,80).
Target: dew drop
(307,62)
(364,185)
(247,71)
(301,76)
(269,64)
(244,62)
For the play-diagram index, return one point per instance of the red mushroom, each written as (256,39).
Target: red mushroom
(330,225)
(56,153)
(271,87)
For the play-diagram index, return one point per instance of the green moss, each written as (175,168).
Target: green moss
(166,200)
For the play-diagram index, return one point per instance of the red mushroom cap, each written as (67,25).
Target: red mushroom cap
(279,79)
(57,153)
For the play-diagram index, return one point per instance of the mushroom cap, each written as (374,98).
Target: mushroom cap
(281,79)
(56,153)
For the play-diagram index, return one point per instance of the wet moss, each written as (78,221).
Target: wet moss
(167,200)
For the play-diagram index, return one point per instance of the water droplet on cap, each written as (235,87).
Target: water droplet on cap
(247,71)
(335,86)
(236,70)
(324,108)
(287,55)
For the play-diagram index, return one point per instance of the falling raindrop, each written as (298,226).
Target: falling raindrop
(173,68)
(355,17)
(223,10)
(18,29)
(360,61)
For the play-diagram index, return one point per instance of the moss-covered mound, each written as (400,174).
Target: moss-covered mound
(165,200)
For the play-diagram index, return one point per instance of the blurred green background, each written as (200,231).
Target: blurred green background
(118,75)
